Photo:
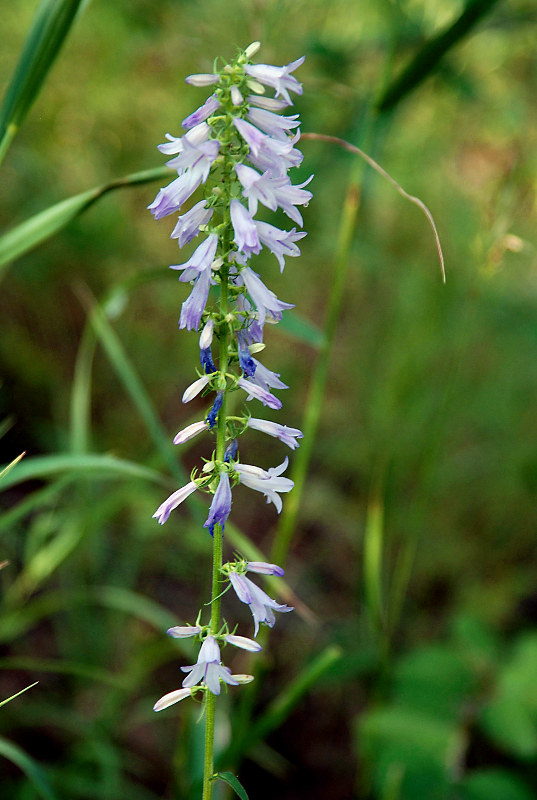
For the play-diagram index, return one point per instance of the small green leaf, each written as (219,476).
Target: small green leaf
(42,226)
(232,781)
(50,27)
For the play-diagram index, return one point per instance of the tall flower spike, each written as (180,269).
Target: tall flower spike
(236,151)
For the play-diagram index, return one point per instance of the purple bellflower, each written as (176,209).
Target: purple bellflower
(261,605)
(221,504)
(208,668)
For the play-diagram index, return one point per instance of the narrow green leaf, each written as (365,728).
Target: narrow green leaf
(10,466)
(13,696)
(61,666)
(232,781)
(50,27)
(303,330)
(135,388)
(42,226)
(41,467)
(31,768)
(373,555)
(427,59)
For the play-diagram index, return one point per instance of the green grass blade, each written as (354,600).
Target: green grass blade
(13,696)
(42,467)
(32,232)
(135,388)
(10,466)
(80,406)
(50,27)
(373,555)
(427,59)
(31,769)
(61,666)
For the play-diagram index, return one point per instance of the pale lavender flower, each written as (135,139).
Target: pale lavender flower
(189,432)
(171,698)
(267,103)
(164,510)
(275,125)
(189,224)
(286,435)
(193,307)
(208,668)
(200,260)
(264,568)
(263,298)
(172,197)
(221,504)
(246,237)
(280,243)
(206,336)
(183,631)
(243,642)
(176,144)
(202,113)
(266,153)
(266,378)
(195,388)
(268,482)
(273,191)
(265,397)
(203,79)
(279,78)
(261,605)
(196,158)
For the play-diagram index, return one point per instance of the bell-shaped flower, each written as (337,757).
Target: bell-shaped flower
(172,197)
(164,510)
(268,482)
(189,432)
(261,605)
(202,113)
(221,504)
(208,668)
(263,568)
(183,631)
(246,236)
(280,243)
(264,299)
(243,642)
(171,698)
(189,224)
(274,125)
(265,397)
(279,78)
(286,435)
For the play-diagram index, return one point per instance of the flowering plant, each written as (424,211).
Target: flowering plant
(240,148)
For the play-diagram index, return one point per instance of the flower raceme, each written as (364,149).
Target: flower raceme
(235,154)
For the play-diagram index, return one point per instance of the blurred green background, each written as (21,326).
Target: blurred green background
(415,541)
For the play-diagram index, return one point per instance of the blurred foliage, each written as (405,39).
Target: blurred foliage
(425,452)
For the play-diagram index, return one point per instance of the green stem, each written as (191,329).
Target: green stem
(210,703)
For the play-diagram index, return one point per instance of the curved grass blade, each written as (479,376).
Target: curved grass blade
(50,27)
(42,226)
(61,666)
(41,467)
(31,769)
